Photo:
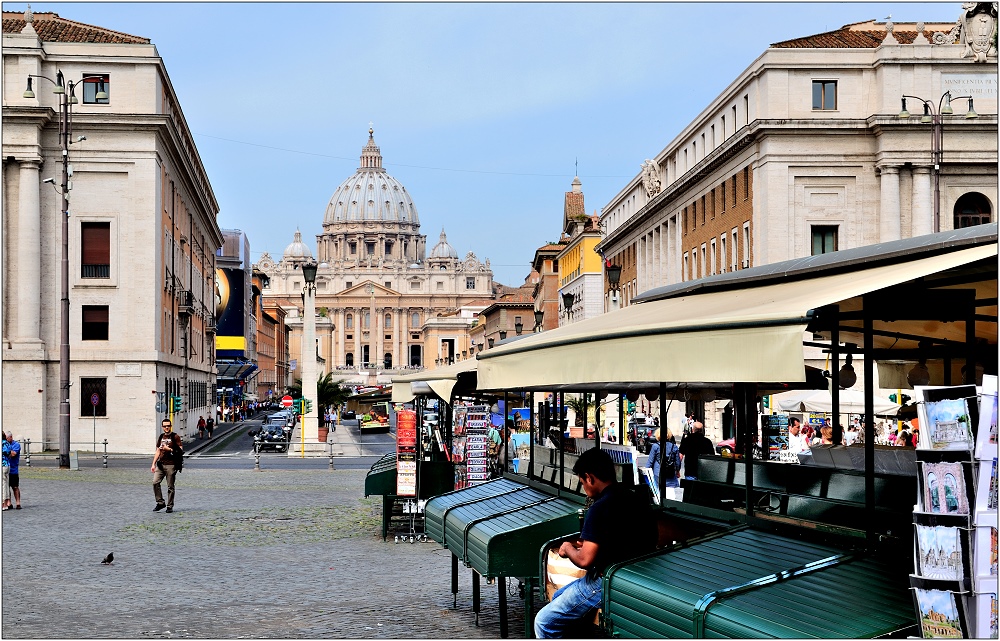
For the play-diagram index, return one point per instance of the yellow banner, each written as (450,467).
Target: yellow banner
(230,342)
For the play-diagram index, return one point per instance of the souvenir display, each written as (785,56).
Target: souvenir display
(986,439)
(986,493)
(477,425)
(986,552)
(945,425)
(940,614)
(940,553)
(944,488)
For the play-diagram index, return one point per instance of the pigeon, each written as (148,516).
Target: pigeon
(108,559)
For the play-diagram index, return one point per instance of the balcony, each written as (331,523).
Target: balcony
(95,271)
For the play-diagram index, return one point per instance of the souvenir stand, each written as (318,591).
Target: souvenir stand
(805,530)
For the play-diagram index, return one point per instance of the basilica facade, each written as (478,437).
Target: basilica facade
(383,303)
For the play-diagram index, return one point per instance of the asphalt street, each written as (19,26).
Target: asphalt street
(278,553)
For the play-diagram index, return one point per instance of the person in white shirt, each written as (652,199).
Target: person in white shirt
(796,439)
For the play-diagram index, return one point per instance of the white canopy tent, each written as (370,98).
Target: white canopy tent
(441,380)
(851,402)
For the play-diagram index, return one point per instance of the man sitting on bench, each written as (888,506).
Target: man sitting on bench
(618,526)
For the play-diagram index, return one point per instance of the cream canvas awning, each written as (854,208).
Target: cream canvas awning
(751,334)
(442,380)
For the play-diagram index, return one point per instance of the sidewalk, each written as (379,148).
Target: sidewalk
(193,444)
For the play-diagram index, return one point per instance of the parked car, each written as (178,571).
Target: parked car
(348,415)
(641,436)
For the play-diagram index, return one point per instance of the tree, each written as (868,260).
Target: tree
(578,406)
(328,392)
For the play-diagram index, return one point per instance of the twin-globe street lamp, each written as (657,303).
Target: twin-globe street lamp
(67,98)
(933,116)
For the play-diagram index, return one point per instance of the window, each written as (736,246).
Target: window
(694,215)
(714,144)
(746,182)
(734,190)
(89,387)
(724,254)
(349,321)
(349,359)
(90,87)
(712,200)
(414,284)
(722,194)
(387,359)
(735,126)
(388,248)
(712,258)
(370,248)
(735,248)
(746,109)
(388,321)
(95,250)
(388,284)
(824,95)
(470,282)
(704,209)
(971,209)
(702,266)
(348,284)
(95,323)
(723,127)
(684,219)
(824,239)
(685,267)
(365,352)
(414,319)
(353,247)
(440,285)
(366,320)
(746,244)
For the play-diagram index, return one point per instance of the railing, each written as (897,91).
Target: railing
(54,452)
(95,271)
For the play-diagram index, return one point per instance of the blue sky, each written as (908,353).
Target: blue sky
(481,110)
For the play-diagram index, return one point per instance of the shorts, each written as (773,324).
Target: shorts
(14,480)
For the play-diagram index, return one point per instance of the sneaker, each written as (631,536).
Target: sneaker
(169,510)
(159,506)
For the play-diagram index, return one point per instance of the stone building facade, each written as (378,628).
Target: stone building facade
(384,304)
(142,241)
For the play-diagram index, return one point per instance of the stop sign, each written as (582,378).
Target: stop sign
(286,401)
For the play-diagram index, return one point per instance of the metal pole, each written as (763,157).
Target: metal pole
(95,429)
(936,149)
(64,377)
(835,373)
(105,453)
(869,338)
(27,452)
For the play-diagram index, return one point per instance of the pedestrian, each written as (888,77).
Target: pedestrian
(692,446)
(618,526)
(797,441)
(672,469)
(209,426)
(165,465)
(14,459)
(201,427)
(5,479)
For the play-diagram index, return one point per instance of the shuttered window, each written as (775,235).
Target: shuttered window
(95,323)
(95,250)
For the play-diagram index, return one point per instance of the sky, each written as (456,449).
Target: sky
(483,111)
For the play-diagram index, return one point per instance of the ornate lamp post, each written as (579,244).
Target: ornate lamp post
(933,116)
(614,277)
(568,304)
(518,327)
(539,315)
(67,98)
(310,429)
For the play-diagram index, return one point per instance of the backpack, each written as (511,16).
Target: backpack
(672,461)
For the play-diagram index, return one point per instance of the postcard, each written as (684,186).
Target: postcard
(939,614)
(986,439)
(984,612)
(986,493)
(944,490)
(939,552)
(945,425)
(986,552)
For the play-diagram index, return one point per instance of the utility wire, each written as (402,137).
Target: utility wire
(396,164)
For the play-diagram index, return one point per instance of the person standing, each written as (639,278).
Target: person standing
(168,448)
(5,479)
(618,526)
(671,457)
(209,426)
(797,441)
(694,445)
(14,459)
(201,427)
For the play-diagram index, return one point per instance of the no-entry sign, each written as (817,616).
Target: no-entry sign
(286,401)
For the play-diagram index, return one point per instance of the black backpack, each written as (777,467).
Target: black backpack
(671,461)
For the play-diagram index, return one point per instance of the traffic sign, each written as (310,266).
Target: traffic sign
(286,401)
(95,399)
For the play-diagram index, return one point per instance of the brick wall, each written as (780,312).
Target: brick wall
(713,214)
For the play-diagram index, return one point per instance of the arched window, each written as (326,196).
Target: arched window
(349,359)
(415,320)
(349,321)
(971,209)
(388,321)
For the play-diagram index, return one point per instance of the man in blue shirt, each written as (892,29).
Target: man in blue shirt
(618,526)
(14,457)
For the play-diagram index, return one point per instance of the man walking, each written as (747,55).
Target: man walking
(14,457)
(168,448)
(692,446)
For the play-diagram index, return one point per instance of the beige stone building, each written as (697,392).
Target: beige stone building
(142,240)
(806,152)
(384,304)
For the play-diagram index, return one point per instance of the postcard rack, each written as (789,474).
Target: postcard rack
(954,581)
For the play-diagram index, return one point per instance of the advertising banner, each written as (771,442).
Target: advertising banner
(406,453)
(230,336)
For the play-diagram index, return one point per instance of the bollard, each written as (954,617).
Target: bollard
(256,462)
(105,454)
(27,452)
(330,443)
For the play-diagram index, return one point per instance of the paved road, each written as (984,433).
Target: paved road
(293,553)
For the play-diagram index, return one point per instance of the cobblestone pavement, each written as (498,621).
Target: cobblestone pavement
(271,554)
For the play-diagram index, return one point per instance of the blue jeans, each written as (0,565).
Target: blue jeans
(569,605)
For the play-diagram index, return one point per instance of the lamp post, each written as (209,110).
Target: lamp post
(67,97)
(503,334)
(933,116)
(310,430)
(539,315)
(568,304)
(614,277)
(518,327)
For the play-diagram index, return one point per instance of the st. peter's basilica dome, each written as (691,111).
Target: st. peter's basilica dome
(370,194)
(297,250)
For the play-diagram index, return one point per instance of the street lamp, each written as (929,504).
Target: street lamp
(932,115)
(503,334)
(518,327)
(491,342)
(539,314)
(310,429)
(568,303)
(67,98)
(614,277)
